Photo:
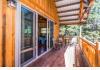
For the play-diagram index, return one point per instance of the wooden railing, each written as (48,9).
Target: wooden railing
(91,52)
(67,40)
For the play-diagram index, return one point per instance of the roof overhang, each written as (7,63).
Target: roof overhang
(72,11)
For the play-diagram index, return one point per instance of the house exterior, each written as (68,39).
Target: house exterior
(10,29)
(29,29)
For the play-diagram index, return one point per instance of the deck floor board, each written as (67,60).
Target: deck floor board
(56,59)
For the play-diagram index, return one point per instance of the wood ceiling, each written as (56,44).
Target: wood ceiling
(69,10)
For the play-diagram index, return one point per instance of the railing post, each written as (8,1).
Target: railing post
(96,54)
(80,36)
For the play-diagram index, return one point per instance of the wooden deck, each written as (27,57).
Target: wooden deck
(56,59)
(51,59)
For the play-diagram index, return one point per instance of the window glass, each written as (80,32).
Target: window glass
(27,28)
(28,49)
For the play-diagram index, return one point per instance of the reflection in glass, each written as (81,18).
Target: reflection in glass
(42,35)
(26,56)
(28,51)
(51,34)
(27,27)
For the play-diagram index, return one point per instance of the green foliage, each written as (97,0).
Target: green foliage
(70,30)
(91,30)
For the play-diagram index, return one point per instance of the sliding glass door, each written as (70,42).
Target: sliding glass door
(28,49)
(50,34)
(42,34)
(34,35)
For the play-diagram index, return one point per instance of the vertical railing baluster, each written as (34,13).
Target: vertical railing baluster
(96,54)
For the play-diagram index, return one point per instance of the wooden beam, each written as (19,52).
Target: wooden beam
(91,2)
(81,9)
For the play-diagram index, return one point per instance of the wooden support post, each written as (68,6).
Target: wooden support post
(81,10)
(80,35)
(80,31)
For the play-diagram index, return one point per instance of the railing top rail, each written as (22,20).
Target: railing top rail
(89,42)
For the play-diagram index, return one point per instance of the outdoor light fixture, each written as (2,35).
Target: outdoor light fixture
(11,3)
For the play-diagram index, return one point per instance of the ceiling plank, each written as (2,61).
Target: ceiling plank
(69,19)
(72,19)
(58,0)
(68,10)
(71,23)
(68,4)
(69,15)
(75,23)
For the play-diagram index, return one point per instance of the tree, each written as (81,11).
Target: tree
(70,30)
(91,30)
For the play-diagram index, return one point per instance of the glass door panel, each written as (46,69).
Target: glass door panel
(42,34)
(51,34)
(27,37)
(48,34)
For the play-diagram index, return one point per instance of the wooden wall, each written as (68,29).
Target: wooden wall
(44,7)
(10,36)
(56,31)
(0,32)
(7,21)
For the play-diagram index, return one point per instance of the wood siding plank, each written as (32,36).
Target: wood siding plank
(0,33)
